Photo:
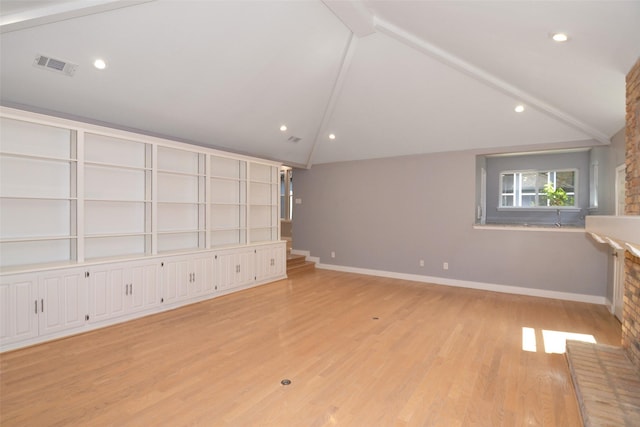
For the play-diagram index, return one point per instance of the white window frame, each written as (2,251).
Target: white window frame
(517,194)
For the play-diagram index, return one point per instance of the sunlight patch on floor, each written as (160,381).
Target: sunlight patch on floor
(553,341)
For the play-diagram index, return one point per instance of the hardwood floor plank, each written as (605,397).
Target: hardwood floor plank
(359,350)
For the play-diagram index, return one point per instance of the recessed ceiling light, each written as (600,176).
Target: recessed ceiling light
(519,108)
(559,37)
(332,136)
(283,128)
(100,64)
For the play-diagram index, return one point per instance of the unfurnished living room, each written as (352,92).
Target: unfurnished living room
(319,213)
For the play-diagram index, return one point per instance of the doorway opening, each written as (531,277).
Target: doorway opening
(286,206)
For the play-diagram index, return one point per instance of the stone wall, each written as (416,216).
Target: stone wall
(631,308)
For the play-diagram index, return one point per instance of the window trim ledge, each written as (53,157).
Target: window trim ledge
(540,209)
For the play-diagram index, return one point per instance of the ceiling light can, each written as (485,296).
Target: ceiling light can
(283,128)
(519,108)
(100,64)
(559,37)
(332,136)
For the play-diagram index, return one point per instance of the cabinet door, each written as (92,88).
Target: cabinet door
(226,269)
(175,281)
(143,292)
(202,279)
(18,310)
(247,273)
(63,300)
(235,268)
(106,293)
(270,262)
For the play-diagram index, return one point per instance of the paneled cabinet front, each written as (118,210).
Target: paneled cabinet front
(63,300)
(33,305)
(270,262)
(121,289)
(18,308)
(236,268)
(187,277)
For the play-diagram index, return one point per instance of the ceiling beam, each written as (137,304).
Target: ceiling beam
(321,133)
(484,77)
(60,11)
(354,15)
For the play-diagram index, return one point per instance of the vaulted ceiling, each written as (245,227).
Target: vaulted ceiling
(387,78)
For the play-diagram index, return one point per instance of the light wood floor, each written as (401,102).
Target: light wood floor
(359,351)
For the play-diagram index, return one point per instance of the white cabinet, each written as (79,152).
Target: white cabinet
(87,212)
(18,308)
(235,268)
(124,288)
(186,277)
(270,262)
(62,300)
(33,305)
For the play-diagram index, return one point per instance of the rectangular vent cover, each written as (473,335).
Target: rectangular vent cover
(55,65)
(294,139)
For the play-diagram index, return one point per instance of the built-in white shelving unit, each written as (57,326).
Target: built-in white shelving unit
(38,193)
(181,193)
(99,226)
(228,208)
(117,197)
(263,206)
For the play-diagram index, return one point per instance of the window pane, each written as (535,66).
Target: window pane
(507,200)
(507,183)
(528,200)
(529,180)
(566,181)
(543,178)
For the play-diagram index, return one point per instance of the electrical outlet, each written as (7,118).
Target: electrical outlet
(445,265)
(333,254)
(421,263)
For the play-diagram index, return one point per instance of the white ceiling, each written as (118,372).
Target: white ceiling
(413,76)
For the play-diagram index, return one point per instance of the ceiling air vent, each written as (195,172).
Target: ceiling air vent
(294,139)
(55,65)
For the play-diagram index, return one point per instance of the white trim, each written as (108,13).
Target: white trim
(543,293)
(609,306)
(533,227)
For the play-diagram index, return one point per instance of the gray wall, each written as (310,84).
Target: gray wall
(555,161)
(387,214)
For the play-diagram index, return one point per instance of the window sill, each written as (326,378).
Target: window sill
(540,209)
(525,227)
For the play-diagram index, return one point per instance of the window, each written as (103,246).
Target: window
(526,189)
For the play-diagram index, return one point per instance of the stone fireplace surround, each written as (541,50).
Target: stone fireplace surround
(607,379)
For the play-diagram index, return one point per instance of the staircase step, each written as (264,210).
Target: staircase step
(295,260)
(305,266)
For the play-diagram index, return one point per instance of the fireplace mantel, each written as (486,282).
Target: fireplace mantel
(621,232)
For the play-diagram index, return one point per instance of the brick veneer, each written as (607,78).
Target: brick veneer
(631,302)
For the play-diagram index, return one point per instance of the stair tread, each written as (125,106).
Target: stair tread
(301,267)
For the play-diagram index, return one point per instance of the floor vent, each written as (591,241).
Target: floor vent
(55,65)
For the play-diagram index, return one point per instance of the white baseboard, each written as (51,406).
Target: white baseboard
(593,299)
(609,305)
